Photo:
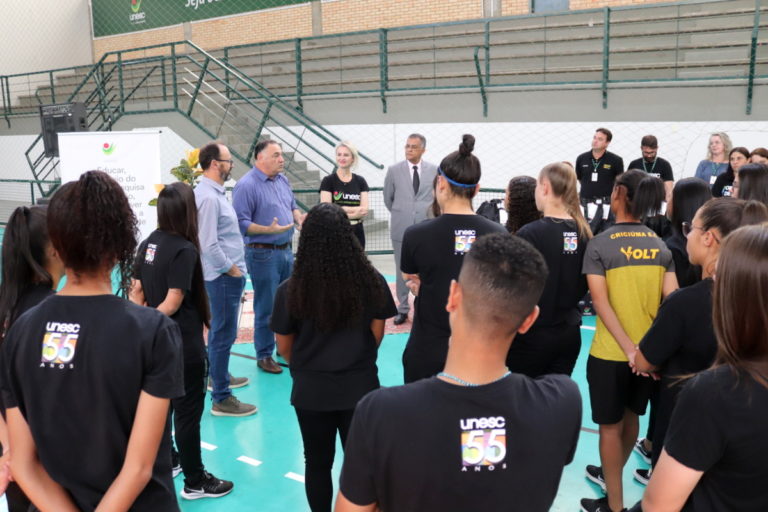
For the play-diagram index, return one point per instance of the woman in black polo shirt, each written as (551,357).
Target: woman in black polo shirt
(169,277)
(328,319)
(347,189)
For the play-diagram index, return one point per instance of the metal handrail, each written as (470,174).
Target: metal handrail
(300,85)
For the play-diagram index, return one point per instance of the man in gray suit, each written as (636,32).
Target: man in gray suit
(408,194)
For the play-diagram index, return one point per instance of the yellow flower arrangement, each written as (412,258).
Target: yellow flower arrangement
(188,171)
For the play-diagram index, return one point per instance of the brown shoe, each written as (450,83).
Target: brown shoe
(269,365)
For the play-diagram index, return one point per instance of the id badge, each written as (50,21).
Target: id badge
(712,180)
(591,210)
(594,176)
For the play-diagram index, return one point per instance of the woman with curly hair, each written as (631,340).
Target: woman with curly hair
(328,318)
(520,202)
(86,372)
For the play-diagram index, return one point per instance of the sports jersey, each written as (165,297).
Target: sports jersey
(633,260)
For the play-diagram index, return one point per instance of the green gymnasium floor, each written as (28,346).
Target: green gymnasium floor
(263,455)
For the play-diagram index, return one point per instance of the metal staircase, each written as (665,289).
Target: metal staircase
(215,96)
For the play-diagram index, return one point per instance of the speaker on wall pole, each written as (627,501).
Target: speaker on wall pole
(62,117)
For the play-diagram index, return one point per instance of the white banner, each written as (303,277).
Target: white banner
(131,158)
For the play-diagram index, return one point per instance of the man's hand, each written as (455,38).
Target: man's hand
(234,271)
(299,219)
(413,283)
(276,228)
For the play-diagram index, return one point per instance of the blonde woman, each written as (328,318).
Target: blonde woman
(719,148)
(561,235)
(347,189)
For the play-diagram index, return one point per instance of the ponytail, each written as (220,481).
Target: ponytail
(562,178)
(645,193)
(24,245)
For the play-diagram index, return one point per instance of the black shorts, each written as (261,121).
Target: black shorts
(545,350)
(613,388)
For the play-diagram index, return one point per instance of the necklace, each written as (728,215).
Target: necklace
(469,384)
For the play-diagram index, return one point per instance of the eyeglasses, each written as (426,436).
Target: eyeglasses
(413,146)
(231,162)
(688,227)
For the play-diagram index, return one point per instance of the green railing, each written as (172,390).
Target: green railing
(184,78)
(33,184)
(669,42)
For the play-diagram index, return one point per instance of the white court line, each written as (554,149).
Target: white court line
(207,446)
(588,327)
(294,476)
(248,460)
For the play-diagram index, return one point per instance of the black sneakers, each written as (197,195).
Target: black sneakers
(175,463)
(208,487)
(600,505)
(640,449)
(595,475)
(642,475)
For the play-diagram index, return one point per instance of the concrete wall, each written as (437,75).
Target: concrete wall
(42,34)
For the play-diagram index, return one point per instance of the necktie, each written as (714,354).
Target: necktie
(415,180)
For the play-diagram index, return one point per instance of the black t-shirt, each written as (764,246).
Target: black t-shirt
(686,273)
(434,249)
(681,341)
(344,194)
(75,367)
(659,168)
(164,261)
(719,427)
(432,445)
(563,249)
(597,176)
(331,371)
(31,297)
(723,186)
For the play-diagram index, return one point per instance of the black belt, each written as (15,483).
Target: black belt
(256,245)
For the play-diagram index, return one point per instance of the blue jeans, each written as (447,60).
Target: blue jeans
(224,295)
(267,268)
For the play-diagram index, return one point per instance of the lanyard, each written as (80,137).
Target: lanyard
(596,164)
(715,169)
(652,167)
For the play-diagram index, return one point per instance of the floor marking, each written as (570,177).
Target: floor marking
(207,446)
(294,476)
(588,327)
(248,460)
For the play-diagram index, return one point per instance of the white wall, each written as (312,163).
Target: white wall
(44,34)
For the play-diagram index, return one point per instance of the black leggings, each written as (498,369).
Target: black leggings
(187,412)
(318,431)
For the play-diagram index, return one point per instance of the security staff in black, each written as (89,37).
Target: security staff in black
(597,169)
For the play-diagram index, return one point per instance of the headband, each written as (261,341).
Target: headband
(455,183)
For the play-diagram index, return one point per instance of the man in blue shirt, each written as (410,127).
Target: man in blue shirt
(223,272)
(267,213)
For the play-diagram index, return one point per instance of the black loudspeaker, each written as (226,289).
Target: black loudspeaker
(63,117)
